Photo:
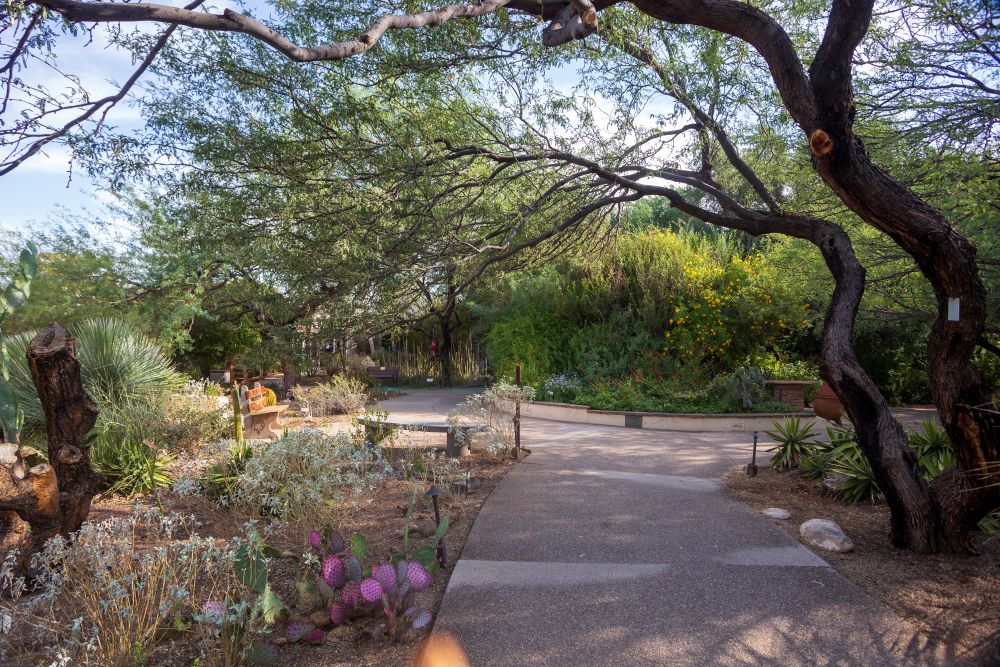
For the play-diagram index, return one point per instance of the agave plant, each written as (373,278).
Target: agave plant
(795,441)
(816,465)
(131,466)
(859,484)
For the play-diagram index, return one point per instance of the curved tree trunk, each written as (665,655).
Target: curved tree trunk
(53,498)
(913,511)
(948,261)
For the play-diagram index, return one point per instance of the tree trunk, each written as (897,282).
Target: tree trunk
(53,498)
(948,260)
(913,512)
(447,370)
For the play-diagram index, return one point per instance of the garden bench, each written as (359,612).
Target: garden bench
(260,420)
(457,443)
(384,373)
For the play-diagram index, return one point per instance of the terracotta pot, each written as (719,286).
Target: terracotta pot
(827,405)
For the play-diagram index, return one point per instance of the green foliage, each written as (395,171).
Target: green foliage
(533,339)
(860,484)
(795,441)
(131,466)
(817,465)
(12,299)
(126,374)
(219,483)
(933,449)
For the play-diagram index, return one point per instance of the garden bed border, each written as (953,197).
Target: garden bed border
(663,421)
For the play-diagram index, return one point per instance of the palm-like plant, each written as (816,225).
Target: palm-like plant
(859,484)
(795,442)
(933,449)
(124,372)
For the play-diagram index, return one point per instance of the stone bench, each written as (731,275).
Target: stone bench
(260,420)
(457,443)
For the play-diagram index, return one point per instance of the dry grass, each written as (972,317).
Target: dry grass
(953,598)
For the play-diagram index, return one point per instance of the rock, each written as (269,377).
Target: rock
(777,513)
(826,534)
(834,482)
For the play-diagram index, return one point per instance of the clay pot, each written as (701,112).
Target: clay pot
(826,404)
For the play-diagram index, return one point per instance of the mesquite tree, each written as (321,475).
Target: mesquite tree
(816,88)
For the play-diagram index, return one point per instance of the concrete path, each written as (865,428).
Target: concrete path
(614,546)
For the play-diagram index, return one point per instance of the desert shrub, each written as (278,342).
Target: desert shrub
(305,471)
(561,388)
(816,465)
(125,373)
(103,595)
(795,442)
(342,394)
(491,414)
(131,466)
(198,413)
(222,477)
(683,387)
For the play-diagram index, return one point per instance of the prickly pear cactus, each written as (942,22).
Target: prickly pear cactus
(11,300)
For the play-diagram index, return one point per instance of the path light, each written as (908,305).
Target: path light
(752,466)
(433,494)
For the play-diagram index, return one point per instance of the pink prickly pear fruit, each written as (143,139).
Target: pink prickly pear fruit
(334,572)
(371,590)
(316,539)
(418,576)
(338,614)
(386,576)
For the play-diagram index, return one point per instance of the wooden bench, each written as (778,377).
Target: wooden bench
(260,420)
(456,445)
(384,373)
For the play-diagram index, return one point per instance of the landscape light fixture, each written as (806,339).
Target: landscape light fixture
(433,494)
(752,466)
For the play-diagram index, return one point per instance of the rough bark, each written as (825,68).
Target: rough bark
(53,498)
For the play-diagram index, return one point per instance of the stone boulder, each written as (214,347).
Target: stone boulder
(826,534)
(777,513)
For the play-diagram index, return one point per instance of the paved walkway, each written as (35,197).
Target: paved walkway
(613,546)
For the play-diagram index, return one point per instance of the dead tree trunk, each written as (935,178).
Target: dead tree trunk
(54,498)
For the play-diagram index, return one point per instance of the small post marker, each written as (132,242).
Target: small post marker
(752,466)
(517,413)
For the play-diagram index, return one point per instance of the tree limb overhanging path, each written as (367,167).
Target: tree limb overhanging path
(616,546)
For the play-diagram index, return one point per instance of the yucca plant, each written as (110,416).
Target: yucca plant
(125,373)
(859,486)
(795,441)
(816,465)
(933,449)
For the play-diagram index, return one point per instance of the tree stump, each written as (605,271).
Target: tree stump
(52,498)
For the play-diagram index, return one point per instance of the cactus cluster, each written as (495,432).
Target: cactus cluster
(343,590)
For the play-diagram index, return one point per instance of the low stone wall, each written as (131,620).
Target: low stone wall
(663,421)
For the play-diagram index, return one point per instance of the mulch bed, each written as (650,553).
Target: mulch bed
(952,598)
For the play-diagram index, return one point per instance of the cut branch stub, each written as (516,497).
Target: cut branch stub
(69,415)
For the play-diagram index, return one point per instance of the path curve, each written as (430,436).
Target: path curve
(615,546)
